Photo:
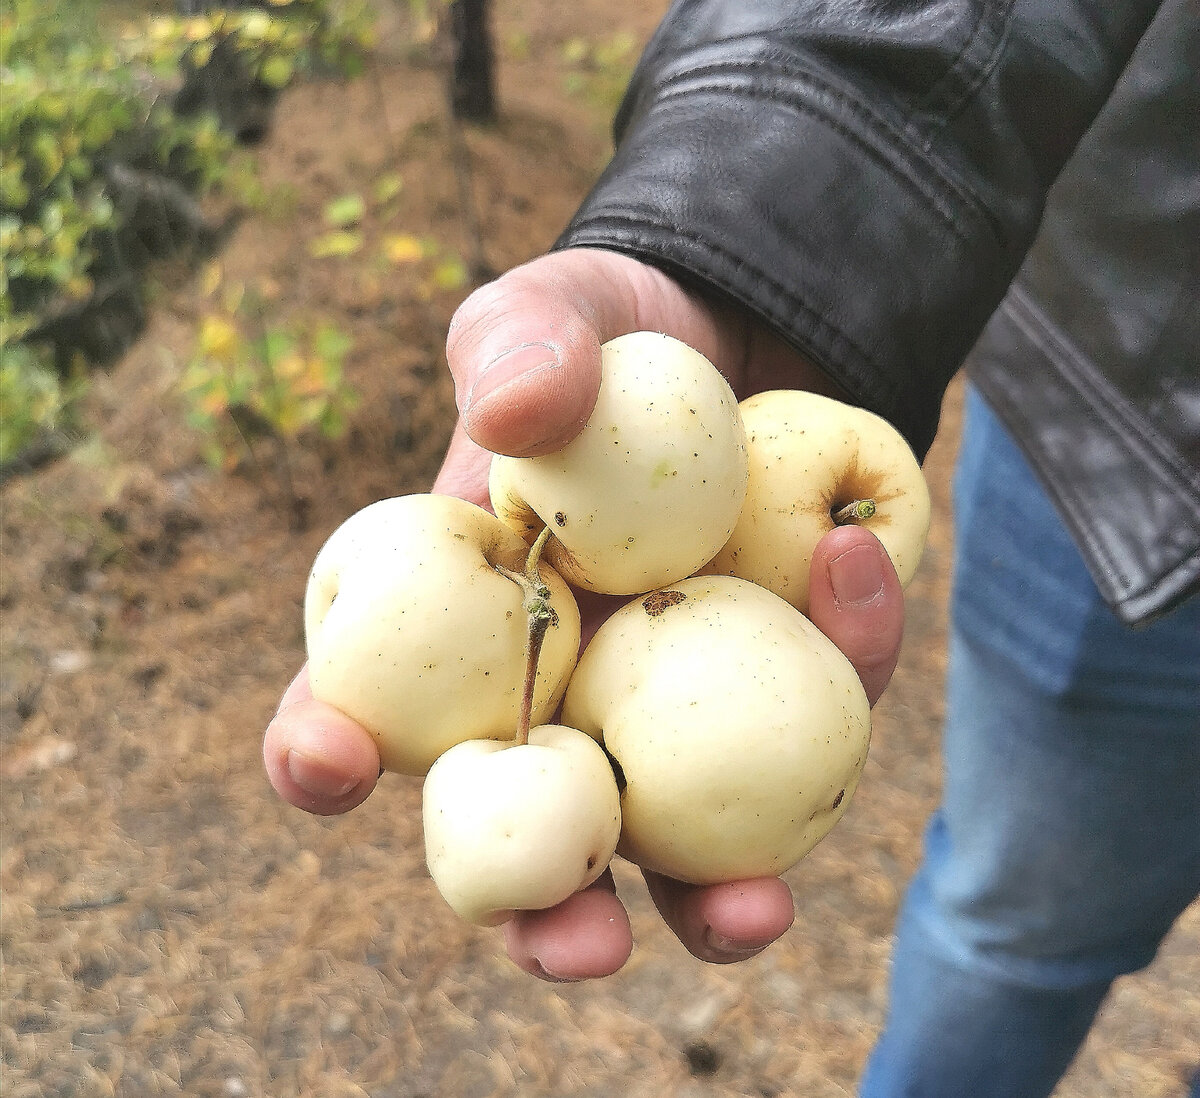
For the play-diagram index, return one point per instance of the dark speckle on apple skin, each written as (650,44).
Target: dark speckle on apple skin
(659,601)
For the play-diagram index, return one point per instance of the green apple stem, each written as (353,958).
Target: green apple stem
(858,511)
(540,616)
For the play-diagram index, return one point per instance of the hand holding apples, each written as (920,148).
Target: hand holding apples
(561,307)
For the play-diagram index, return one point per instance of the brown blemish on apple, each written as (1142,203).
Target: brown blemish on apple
(658,601)
(560,519)
(859,482)
(838,799)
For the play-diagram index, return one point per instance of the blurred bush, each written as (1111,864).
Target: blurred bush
(109,145)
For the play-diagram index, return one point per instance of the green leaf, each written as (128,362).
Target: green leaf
(331,343)
(345,211)
(450,274)
(276,71)
(387,187)
(275,344)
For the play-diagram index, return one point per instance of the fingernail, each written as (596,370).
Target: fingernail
(528,358)
(718,943)
(317,777)
(552,977)
(856,576)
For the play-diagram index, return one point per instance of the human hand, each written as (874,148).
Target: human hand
(525,355)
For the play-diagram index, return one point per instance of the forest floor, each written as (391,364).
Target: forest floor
(169,927)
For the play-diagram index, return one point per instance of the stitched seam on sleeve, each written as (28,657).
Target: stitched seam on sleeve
(1002,11)
(947,196)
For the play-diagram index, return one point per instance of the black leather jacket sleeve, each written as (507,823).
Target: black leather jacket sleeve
(865,176)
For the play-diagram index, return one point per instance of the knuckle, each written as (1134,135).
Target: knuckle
(484,317)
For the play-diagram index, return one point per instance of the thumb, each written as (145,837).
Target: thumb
(855,599)
(524,352)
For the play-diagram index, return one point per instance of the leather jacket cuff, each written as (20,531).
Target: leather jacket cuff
(788,195)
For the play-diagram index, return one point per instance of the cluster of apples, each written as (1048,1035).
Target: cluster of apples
(709,731)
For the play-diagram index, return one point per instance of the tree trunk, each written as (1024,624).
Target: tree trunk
(472,70)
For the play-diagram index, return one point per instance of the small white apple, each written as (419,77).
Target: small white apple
(414,633)
(810,457)
(652,486)
(519,828)
(739,729)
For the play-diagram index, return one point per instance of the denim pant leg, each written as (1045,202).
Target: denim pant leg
(1068,840)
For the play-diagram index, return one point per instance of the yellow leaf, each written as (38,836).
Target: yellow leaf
(197,29)
(403,249)
(256,24)
(162,27)
(202,53)
(312,382)
(219,339)
(290,366)
(335,245)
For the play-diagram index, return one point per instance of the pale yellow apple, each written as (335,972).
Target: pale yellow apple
(413,632)
(519,828)
(652,486)
(809,457)
(739,729)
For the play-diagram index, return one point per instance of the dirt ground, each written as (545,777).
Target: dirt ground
(169,927)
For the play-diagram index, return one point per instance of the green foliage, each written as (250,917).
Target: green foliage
(599,71)
(277,200)
(36,403)
(275,42)
(345,211)
(436,269)
(74,103)
(248,379)
(57,215)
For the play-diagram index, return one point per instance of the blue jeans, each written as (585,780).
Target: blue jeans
(1068,840)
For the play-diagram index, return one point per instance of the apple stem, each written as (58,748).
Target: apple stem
(533,649)
(540,616)
(858,511)
(535,555)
